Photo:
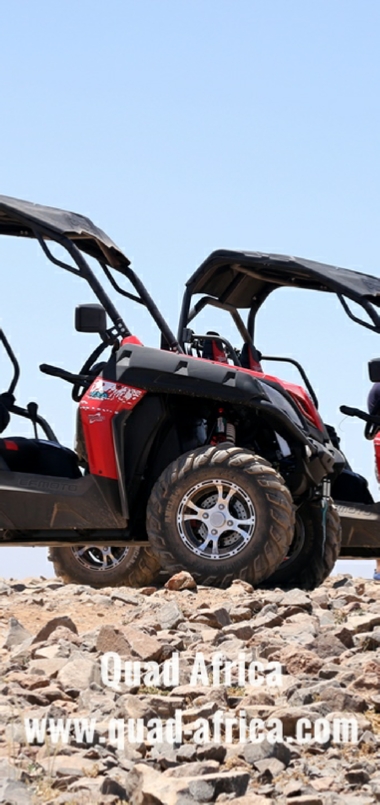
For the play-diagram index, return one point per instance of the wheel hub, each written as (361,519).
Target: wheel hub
(99,557)
(216,519)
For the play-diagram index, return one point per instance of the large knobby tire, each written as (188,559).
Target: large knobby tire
(221,513)
(106,566)
(313,553)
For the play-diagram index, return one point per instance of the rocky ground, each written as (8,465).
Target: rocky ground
(53,638)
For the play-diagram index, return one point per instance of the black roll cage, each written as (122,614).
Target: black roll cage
(86,272)
(235,280)
(25,219)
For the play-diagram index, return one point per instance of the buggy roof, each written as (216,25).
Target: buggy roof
(241,278)
(23,218)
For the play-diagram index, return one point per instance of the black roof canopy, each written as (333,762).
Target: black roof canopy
(23,218)
(239,278)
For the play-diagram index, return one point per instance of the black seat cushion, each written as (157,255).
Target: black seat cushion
(39,457)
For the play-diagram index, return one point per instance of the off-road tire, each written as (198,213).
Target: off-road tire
(263,487)
(137,568)
(314,561)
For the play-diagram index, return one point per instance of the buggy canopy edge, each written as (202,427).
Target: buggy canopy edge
(18,217)
(239,278)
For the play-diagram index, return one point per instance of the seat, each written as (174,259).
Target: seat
(250,358)
(39,457)
(213,350)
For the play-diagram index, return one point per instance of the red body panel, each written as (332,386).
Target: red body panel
(376,443)
(98,407)
(299,395)
(104,399)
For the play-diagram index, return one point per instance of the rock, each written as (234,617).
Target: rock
(170,615)
(17,634)
(216,617)
(212,751)
(268,620)
(254,753)
(327,645)
(202,790)
(48,667)
(52,625)
(341,699)
(297,598)
(298,661)
(7,771)
(129,597)
(14,793)
(141,644)
(367,641)
(78,674)
(323,783)
(243,630)
(345,636)
(269,767)
(196,769)
(186,753)
(362,623)
(111,639)
(145,786)
(181,581)
(238,585)
(110,786)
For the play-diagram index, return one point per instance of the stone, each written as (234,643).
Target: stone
(143,645)
(14,793)
(17,634)
(362,623)
(255,752)
(243,630)
(297,598)
(52,625)
(270,766)
(181,581)
(323,783)
(110,786)
(298,661)
(186,753)
(49,667)
(202,790)
(195,769)
(367,641)
(78,674)
(238,585)
(216,617)
(170,615)
(357,777)
(211,751)
(327,645)
(110,639)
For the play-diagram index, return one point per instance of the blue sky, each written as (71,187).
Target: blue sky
(179,128)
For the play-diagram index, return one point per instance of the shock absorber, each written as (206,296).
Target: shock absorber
(224,430)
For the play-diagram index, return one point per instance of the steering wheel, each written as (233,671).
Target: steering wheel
(80,381)
(78,388)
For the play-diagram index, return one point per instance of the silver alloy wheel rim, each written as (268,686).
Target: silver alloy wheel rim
(216,519)
(101,558)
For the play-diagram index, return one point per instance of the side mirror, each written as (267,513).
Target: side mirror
(90,319)
(374,370)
